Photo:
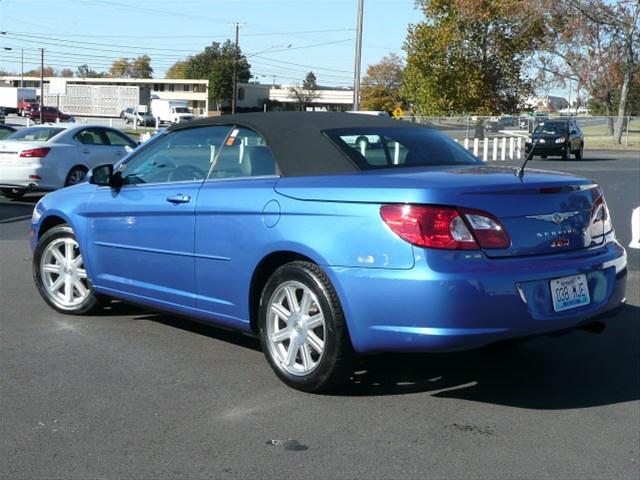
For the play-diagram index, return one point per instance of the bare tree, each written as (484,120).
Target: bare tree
(305,94)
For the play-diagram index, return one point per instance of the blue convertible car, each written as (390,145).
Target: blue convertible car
(330,235)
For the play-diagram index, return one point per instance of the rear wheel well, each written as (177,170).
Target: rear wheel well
(261,274)
(48,223)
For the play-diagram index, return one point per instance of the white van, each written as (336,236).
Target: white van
(171,111)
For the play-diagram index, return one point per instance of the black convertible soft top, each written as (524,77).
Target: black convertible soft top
(297,140)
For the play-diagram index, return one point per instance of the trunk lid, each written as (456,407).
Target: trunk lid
(10,151)
(543,213)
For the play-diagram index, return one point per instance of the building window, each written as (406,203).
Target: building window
(172,87)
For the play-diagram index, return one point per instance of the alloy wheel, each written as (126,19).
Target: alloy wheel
(296,328)
(63,274)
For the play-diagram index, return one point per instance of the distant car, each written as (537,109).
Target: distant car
(6,130)
(2,115)
(502,123)
(129,115)
(49,157)
(50,115)
(276,225)
(25,107)
(556,137)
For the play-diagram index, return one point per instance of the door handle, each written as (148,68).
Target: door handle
(179,198)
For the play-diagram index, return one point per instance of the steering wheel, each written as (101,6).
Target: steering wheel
(186,172)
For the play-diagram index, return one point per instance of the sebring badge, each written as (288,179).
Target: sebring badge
(557,217)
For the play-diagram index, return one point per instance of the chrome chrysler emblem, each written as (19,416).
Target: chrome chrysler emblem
(557,217)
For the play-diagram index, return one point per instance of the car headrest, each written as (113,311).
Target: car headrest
(258,161)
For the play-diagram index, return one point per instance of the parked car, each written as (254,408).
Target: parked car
(274,225)
(556,137)
(2,115)
(50,115)
(130,115)
(502,123)
(25,107)
(6,130)
(52,156)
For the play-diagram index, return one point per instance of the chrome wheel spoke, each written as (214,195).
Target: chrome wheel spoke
(82,273)
(305,304)
(292,353)
(77,262)
(68,290)
(280,336)
(79,286)
(58,256)
(305,354)
(68,250)
(51,268)
(315,342)
(281,312)
(315,321)
(292,300)
(55,286)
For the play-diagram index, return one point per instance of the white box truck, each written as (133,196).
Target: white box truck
(171,111)
(11,97)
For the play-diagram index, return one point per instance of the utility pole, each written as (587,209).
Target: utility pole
(22,67)
(234,100)
(356,76)
(41,82)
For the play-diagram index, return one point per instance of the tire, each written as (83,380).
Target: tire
(564,155)
(322,358)
(67,290)
(76,175)
(580,153)
(13,193)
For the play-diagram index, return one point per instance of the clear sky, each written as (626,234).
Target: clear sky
(320,33)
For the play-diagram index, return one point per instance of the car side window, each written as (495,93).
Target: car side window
(178,156)
(118,139)
(91,136)
(245,153)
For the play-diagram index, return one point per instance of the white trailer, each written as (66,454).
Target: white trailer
(171,111)
(10,97)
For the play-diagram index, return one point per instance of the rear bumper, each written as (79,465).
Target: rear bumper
(29,176)
(456,301)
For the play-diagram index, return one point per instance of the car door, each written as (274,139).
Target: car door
(142,235)
(233,205)
(93,147)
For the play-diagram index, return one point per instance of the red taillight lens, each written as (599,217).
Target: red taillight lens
(444,227)
(600,218)
(429,226)
(35,152)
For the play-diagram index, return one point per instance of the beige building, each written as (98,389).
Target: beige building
(107,97)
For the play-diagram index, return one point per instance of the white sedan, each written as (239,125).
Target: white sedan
(53,156)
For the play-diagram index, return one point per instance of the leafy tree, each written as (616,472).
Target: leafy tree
(310,82)
(120,68)
(66,72)
(470,56)
(177,70)
(47,72)
(215,63)
(305,94)
(595,42)
(141,67)
(381,85)
(84,71)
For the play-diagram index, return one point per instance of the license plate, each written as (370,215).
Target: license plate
(569,292)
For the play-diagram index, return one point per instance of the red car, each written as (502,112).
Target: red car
(25,107)
(50,114)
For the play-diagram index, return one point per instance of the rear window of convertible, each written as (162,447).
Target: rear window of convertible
(390,147)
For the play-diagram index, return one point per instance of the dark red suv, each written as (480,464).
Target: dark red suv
(50,114)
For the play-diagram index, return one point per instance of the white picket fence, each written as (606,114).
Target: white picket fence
(495,149)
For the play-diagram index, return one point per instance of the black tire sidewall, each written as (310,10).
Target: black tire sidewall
(328,373)
(60,231)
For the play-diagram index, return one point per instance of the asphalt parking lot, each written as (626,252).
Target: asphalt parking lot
(133,393)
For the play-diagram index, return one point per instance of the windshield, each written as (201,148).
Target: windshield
(41,134)
(392,147)
(182,110)
(559,128)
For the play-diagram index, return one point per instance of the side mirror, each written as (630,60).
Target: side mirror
(104,176)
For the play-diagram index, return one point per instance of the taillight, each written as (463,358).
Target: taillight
(445,227)
(35,152)
(600,218)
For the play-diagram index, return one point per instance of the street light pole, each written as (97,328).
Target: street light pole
(235,72)
(41,82)
(358,60)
